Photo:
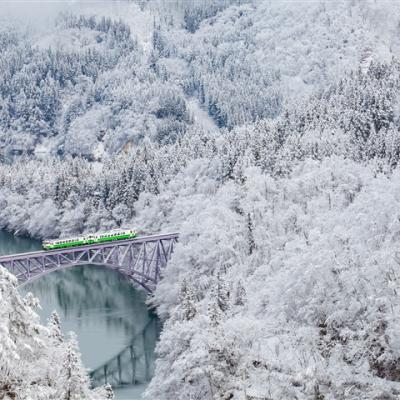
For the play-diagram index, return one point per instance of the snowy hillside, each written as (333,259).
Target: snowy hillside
(131,78)
(268,135)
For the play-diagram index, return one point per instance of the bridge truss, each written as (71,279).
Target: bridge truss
(140,260)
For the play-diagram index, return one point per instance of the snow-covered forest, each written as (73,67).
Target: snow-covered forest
(268,135)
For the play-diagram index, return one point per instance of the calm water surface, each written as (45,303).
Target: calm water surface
(100,306)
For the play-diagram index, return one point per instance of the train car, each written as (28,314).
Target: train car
(101,237)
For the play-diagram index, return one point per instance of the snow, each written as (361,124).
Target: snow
(42,151)
(268,136)
(36,361)
(139,21)
(68,40)
(201,117)
(99,151)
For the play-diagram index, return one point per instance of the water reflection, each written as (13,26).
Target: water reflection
(104,310)
(132,365)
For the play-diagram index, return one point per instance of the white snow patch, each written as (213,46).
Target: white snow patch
(140,22)
(200,116)
(99,151)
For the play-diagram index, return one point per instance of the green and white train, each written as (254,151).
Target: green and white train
(92,238)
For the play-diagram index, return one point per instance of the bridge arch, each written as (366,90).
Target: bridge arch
(133,278)
(141,259)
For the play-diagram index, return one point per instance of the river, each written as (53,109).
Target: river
(105,311)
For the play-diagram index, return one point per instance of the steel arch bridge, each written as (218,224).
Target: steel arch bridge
(140,259)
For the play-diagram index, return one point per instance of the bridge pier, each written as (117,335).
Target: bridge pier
(105,374)
(146,359)
(119,370)
(133,364)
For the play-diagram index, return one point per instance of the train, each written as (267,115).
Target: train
(91,238)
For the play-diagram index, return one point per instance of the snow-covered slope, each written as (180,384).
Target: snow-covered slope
(247,61)
(284,283)
(242,62)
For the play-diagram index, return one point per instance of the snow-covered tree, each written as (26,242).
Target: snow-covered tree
(73,380)
(35,362)
(187,301)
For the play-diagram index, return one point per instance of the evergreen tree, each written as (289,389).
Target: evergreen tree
(240,294)
(223,293)
(250,235)
(187,301)
(73,379)
(54,326)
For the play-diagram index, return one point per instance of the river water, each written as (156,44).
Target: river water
(105,311)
